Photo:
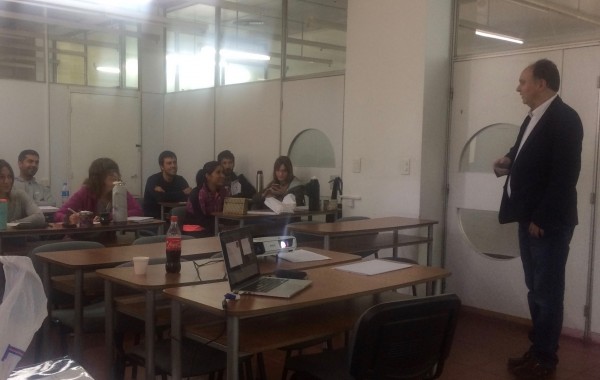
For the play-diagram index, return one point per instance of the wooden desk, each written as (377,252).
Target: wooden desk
(345,230)
(84,260)
(329,286)
(156,279)
(263,215)
(60,229)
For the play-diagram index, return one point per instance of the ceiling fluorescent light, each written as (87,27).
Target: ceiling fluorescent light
(108,69)
(503,37)
(242,55)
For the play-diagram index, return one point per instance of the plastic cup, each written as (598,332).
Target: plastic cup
(140,263)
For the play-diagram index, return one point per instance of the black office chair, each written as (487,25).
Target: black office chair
(403,340)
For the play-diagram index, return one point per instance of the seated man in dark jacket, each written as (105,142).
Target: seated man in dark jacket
(238,185)
(165,186)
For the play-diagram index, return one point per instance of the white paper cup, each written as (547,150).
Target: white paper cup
(140,263)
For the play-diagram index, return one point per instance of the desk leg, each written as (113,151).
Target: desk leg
(326,242)
(78,320)
(46,325)
(233,347)
(430,287)
(162,212)
(395,249)
(109,328)
(175,340)
(149,335)
(216,225)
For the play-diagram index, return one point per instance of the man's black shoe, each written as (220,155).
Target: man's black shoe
(533,370)
(514,363)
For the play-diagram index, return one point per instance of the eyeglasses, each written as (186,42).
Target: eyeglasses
(208,262)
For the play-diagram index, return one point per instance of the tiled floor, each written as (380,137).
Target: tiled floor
(479,352)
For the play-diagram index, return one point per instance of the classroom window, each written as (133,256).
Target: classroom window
(191,55)
(316,37)
(528,25)
(250,46)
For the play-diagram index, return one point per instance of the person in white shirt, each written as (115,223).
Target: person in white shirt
(29,161)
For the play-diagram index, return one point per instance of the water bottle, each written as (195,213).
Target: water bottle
(314,194)
(259,182)
(173,247)
(119,202)
(64,193)
(3,213)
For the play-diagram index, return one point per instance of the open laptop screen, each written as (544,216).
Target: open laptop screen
(240,259)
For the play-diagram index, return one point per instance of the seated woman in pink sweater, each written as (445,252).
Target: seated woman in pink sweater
(96,194)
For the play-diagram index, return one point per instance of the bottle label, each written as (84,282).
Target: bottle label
(173,243)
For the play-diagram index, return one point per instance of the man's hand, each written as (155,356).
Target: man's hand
(187,190)
(159,189)
(535,230)
(502,166)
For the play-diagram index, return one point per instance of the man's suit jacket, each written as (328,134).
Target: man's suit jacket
(544,175)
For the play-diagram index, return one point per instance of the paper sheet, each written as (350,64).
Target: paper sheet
(372,267)
(139,219)
(301,255)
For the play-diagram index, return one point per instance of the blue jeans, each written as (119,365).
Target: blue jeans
(544,260)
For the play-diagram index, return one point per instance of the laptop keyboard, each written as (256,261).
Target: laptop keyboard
(264,284)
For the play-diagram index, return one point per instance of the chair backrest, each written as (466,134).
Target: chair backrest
(406,340)
(351,218)
(70,245)
(156,239)
(179,211)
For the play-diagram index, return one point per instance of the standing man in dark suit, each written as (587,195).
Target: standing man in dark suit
(539,193)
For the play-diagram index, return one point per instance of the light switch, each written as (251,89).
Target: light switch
(356,165)
(405,166)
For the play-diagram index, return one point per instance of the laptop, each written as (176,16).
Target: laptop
(241,264)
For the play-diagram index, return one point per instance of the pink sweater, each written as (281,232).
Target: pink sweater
(85,200)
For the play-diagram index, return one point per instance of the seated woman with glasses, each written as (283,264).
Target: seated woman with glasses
(21,207)
(95,194)
(205,199)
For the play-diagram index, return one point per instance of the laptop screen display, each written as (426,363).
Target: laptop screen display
(240,260)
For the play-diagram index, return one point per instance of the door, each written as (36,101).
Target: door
(105,126)
(486,114)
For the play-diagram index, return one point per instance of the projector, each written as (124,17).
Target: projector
(272,245)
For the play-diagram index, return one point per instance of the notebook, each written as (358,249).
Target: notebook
(242,269)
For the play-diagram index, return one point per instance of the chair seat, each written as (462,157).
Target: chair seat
(196,358)
(93,317)
(329,364)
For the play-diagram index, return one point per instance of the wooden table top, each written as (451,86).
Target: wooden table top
(360,226)
(111,256)
(329,285)
(157,278)
(60,229)
(271,215)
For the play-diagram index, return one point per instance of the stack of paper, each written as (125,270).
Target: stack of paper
(287,206)
(372,267)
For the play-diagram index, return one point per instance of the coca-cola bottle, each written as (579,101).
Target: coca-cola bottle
(173,264)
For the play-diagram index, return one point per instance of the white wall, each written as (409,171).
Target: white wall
(397,73)
(24,110)
(383,115)
(247,124)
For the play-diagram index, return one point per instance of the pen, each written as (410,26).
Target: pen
(73,211)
